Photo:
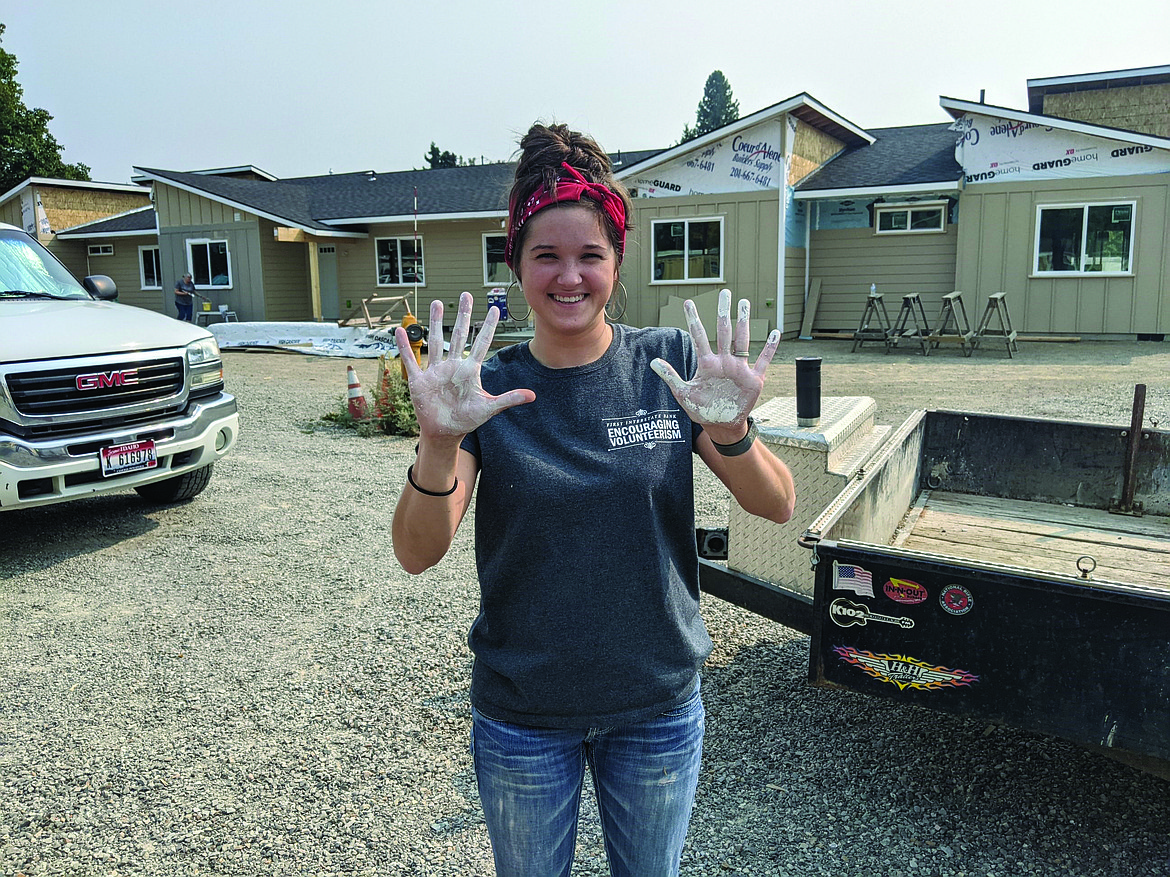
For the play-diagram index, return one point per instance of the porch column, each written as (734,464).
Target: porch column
(314,279)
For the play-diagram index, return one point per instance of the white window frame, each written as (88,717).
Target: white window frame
(422,259)
(484,251)
(1084,208)
(101,249)
(908,208)
(687,220)
(207,242)
(142,251)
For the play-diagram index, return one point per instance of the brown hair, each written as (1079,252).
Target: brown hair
(542,151)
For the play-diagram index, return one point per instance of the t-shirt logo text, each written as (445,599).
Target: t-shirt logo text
(644,428)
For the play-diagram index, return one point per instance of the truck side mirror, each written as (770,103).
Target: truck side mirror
(101,287)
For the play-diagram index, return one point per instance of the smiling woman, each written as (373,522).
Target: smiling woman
(600,439)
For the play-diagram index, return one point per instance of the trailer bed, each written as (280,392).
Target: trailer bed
(1039,535)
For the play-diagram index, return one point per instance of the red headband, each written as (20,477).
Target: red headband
(567,190)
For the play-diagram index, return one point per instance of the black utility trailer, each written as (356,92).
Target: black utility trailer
(1008,569)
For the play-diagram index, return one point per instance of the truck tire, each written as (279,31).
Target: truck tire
(181,487)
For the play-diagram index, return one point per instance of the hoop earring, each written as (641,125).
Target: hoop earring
(620,312)
(508,302)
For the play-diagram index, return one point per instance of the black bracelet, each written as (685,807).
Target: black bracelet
(740,447)
(423,490)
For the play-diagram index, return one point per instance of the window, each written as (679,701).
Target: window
(495,270)
(210,264)
(1085,238)
(687,250)
(149,268)
(101,249)
(399,261)
(907,219)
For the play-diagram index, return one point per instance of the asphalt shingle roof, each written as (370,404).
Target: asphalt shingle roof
(139,220)
(898,157)
(311,201)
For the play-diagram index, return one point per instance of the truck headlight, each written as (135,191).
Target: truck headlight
(201,351)
(205,365)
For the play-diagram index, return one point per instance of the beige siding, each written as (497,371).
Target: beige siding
(1000,258)
(287,294)
(452,263)
(10,212)
(750,233)
(122,268)
(184,216)
(72,254)
(848,260)
(1144,108)
(179,209)
(793,290)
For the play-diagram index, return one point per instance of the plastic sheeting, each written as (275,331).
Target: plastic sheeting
(314,339)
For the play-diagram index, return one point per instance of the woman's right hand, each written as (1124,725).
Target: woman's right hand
(448,399)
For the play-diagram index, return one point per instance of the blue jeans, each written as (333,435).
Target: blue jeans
(530,782)
(185,308)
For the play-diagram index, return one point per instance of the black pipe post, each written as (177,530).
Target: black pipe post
(808,390)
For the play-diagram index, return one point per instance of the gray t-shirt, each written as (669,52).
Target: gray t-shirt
(585,540)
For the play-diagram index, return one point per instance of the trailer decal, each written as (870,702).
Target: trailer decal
(846,613)
(956,600)
(847,577)
(905,591)
(904,671)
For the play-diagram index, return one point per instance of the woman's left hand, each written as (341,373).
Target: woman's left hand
(725,387)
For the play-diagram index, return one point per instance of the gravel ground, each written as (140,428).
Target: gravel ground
(248,684)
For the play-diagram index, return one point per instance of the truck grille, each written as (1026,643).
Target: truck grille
(55,392)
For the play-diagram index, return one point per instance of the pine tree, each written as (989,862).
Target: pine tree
(27,149)
(716,109)
(435,158)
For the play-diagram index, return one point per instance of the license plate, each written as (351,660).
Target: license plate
(119,459)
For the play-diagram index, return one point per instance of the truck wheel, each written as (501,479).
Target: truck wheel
(181,487)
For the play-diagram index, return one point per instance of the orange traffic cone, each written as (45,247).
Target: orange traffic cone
(357,399)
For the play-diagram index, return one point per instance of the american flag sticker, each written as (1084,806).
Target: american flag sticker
(847,577)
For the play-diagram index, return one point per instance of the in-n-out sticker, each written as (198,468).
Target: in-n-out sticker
(905,591)
(904,671)
(956,600)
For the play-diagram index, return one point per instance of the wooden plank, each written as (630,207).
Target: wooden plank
(290,235)
(810,309)
(1041,536)
(314,280)
(1060,516)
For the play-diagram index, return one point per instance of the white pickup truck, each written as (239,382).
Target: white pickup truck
(96,396)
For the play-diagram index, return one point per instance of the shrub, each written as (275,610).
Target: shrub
(392,411)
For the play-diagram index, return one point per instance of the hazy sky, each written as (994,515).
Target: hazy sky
(300,88)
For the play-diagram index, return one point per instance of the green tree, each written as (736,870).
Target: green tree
(27,149)
(435,158)
(716,109)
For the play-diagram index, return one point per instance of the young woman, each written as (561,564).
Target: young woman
(580,444)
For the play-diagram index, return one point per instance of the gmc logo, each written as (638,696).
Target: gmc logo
(101,380)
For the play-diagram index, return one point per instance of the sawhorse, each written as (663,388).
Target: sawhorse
(911,310)
(875,309)
(997,305)
(953,311)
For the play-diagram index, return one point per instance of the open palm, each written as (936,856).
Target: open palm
(447,395)
(725,387)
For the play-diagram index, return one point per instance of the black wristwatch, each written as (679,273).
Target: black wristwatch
(740,447)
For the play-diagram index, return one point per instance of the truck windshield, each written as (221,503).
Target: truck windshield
(28,270)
